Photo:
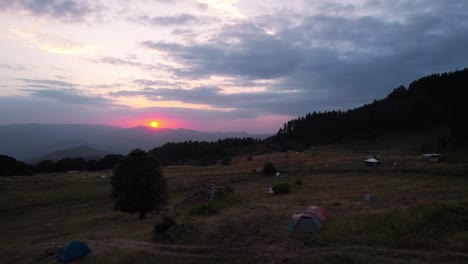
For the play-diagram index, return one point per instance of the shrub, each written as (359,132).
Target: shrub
(161,227)
(205,209)
(298,182)
(205,162)
(226,161)
(249,158)
(281,188)
(269,169)
(342,259)
(228,190)
(254,171)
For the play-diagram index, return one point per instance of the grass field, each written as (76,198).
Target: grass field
(419,215)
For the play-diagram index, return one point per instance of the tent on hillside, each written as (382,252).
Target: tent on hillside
(372,162)
(305,222)
(434,157)
(309,221)
(73,250)
(318,211)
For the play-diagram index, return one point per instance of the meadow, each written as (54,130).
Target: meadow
(419,214)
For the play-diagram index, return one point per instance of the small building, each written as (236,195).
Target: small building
(434,157)
(372,162)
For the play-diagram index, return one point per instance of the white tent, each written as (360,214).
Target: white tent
(372,162)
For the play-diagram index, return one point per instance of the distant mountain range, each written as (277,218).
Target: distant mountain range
(32,141)
(85,152)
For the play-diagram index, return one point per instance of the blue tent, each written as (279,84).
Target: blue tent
(73,250)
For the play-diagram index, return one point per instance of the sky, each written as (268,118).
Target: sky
(216,65)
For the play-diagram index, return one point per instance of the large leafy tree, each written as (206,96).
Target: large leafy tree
(138,184)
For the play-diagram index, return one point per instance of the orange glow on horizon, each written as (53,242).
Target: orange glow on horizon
(154,124)
(146,120)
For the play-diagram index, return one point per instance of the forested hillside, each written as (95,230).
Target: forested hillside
(205,153)
(431,100)
(438,99)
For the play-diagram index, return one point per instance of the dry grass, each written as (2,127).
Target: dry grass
(45,211)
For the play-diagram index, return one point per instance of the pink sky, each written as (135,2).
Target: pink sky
(216,65)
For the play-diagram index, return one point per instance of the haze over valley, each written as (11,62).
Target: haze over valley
(30,141)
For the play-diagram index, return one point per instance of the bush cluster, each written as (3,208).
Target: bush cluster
(165,223)
(281,188)
(269,169)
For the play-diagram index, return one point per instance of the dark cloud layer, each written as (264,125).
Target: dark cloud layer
(61,91)
(326,61)
(64,10)
(27,109)
(243,50)
(69,96)
(245,104)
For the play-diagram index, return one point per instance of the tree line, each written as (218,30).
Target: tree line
(431,100)
(10,166)
(202,153)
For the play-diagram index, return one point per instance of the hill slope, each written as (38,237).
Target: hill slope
(432,100)
(419,213)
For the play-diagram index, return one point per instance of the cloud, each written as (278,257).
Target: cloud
(107,86)
(183,32)
(241,104)
(62,91)
(339,59)
(69,96)
(175,20)
(118,61)
(226,7)
(133,62)
(13,67)
(48,83)
(63,10)
(51,43)
(150,83)
(242,50)
(28,109)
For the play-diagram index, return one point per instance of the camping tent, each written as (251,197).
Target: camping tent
(73,250)
(372,162)
(434,157)
(306,222)
(319,212)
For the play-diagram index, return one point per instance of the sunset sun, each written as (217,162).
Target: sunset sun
(154,124)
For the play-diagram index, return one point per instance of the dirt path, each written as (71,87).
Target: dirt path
(273,251)
(200,251)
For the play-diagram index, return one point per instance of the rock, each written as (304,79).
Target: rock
(208,192)
(179,230)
